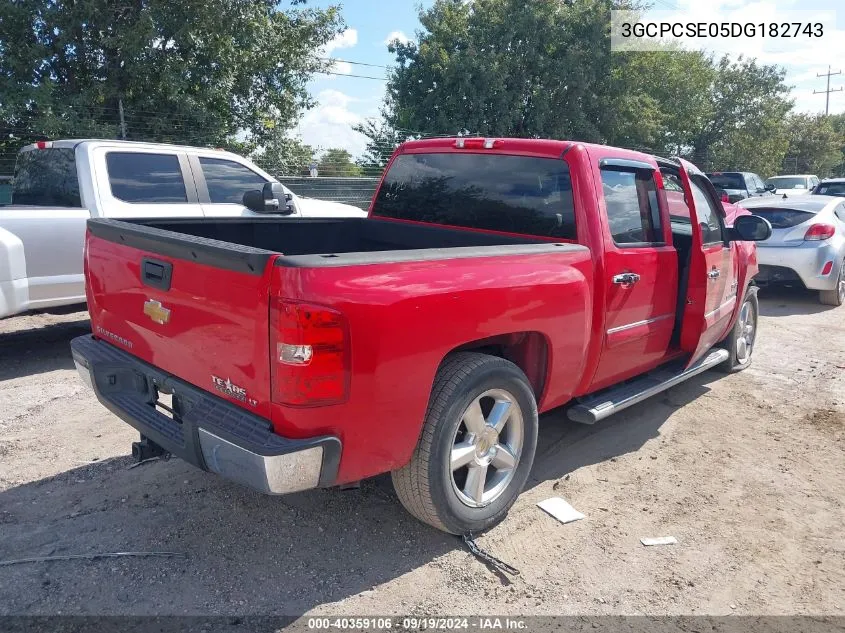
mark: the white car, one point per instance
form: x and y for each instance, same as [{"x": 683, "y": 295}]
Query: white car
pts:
[
  {"x": 807, "y": 246},
  {"x": 792, "y": 185},
  {"x": 59, "y": 185}
]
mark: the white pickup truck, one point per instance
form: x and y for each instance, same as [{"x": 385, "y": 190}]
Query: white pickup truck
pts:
[{"x": 58, "y": 185}]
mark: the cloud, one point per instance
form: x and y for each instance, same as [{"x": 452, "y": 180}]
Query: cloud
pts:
[
  {"x": 341, "y": 68},
  {"x": 347, "y": 39},
  {"x": 397, "y": 35},
  {"x": 801, "y": 57},
  {"x": 330, "y": 123}
]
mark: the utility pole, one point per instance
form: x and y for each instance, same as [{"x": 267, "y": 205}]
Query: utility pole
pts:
[
  {"x": 827, "y": 92},
  {"x": 123, "y": 123}
]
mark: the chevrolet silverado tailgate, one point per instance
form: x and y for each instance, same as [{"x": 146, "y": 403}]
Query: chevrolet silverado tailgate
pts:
[{"x": 193, "y": 307}]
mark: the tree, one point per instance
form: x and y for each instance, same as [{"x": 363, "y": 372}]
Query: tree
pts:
[
  {"x": 338, "y": 162},
  {"x": 282, "y": 155},
  {"x": 814, "y": 144},
  {"x": 544, "y": 69},
  {"x": 837, "y": 121},
  {"x": 743, "y": 124},
  {"x": 194, "y": 71},
  {"x": 659, "y": 98},
  {"x": 506, "y": 68},
  {"x": 383, "y": 139}
]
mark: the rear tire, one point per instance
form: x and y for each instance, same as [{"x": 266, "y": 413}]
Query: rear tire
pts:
[
  {"x": 465, "y": 474},
  {"x": 835, "y": 297},
  {"x": 740, "y": 342}
]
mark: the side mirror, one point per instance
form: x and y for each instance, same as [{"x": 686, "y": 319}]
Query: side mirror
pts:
[
  {"x": 769, "y": 188},
  {"x": 271, "y": 199},
  {"x": 751, "y": 228}
]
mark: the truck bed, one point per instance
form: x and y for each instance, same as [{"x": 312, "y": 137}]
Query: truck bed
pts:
[{"x": 311, "y": 242}]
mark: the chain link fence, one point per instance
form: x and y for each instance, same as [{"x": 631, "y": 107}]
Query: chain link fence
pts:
[
  {"x": 357, "y": 191},
  {"x": 328, "y": 173}
]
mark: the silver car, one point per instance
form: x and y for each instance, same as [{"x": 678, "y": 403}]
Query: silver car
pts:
[{"x": 807, "y": 246}]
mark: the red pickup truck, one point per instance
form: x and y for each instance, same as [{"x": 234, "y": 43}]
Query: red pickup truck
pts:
[{"x": 493, "y": 280}]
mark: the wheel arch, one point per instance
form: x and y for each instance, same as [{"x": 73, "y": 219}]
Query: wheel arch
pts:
[{"x": 527, "y": 350}]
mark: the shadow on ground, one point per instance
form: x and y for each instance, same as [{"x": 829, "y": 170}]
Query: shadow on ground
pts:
[
  {"x": 247, "y": 553},
  {"x": 34, "y": 351},
  {"x": 778, "y": 301}
]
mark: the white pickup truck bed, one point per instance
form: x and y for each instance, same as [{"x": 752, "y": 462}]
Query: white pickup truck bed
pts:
[{"x": 59, "y": 185}]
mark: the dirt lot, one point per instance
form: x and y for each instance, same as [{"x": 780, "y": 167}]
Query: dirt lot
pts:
[{"x": 746, "y": 471}]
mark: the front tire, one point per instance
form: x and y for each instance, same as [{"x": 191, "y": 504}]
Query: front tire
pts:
[
  {"x": 476, "y": 448},
  {"x": 740, "y": 342},
  {"x": 835, "y": 297}
]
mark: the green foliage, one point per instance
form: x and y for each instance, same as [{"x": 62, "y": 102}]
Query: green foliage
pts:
[
  {"x": 338, "y": 162},
  {"x": 505, "y": 67},
  {"x": 193, "y": 71},
  {"x": 544, "y": 69},
  {"x": 743, "y": 125},
  {"x": 281, "y": 155},
  {"x": 383, "y": 139},
  {"x": 815, "y": 146},
  {"x": 660, "y": 99},
  {"x": 837, "y": 121}
]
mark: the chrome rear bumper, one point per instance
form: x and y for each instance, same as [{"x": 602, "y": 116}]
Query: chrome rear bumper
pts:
[{"x": 204, "y": 430}]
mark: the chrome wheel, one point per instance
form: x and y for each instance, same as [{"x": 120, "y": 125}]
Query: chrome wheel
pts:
[
  {"x": 747, "y": 330},
  {"x": 486, "y": 448}
]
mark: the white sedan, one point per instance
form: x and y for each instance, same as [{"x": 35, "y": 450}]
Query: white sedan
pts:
[
  {"x": 807, "y": 246},
  {"x": 792, "y": 185}
]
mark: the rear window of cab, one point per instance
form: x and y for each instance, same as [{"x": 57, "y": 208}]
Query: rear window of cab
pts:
[{"x": 497, "y": 192}]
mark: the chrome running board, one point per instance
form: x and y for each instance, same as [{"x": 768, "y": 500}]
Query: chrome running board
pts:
[{"x": 591, "y": 409}]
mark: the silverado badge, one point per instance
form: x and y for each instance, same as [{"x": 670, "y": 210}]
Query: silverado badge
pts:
[{"x": 156, "y": 311}]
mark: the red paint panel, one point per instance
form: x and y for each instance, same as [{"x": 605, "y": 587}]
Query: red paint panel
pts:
[
  {"x": 404, "y": 318},
  {"x": 218, "y": 322}
]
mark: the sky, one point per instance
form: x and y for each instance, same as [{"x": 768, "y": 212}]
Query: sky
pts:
[{"x": 344, "y": 99}]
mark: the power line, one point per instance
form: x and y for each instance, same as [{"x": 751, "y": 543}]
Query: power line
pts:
[
  {"x": 326, "y": 72},
  {"x": 827, "y": 92},
  {"x": 346, "y": 61}
]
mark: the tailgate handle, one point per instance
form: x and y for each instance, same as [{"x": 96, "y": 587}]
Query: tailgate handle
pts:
[{"x": 156, "y": 274}]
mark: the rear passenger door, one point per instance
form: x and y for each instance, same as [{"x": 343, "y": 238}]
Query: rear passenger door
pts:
[
  {"x": 138, "y": 183},
  {"x": 713, "y": 278},
  {"x": 222, "y": 182},
  {"x": 641, "y": 272}
]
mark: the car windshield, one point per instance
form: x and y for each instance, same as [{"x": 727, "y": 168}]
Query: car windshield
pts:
[
  {"x": 788, "y": 182},
  {"x": 727, "y": 181},
  {"x": 831, "y": 189}
]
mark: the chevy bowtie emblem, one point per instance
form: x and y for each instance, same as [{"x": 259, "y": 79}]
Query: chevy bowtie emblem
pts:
[{"x": 156, "y": 311}]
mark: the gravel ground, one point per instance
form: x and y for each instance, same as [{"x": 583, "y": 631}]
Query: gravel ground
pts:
[{"x": 746, "y": 471}]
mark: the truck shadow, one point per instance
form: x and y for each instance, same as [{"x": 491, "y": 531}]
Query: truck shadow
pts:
[
  {"x": 246, "y": 553},
  {"x": 778, "y": 301},
  {"x": 26, "y": 352},
  {"x": 564, "y": 446}
]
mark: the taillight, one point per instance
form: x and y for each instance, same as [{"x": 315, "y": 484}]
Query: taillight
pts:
[
  {"x": 44, "y": 144},
  {"x": 820, "y": 232},
  {"x": 310, "y": 354}
]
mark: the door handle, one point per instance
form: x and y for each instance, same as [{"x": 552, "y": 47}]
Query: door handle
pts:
[
  {"x": 714, "y": 274},
  {"x": 626, "y": 279}
]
